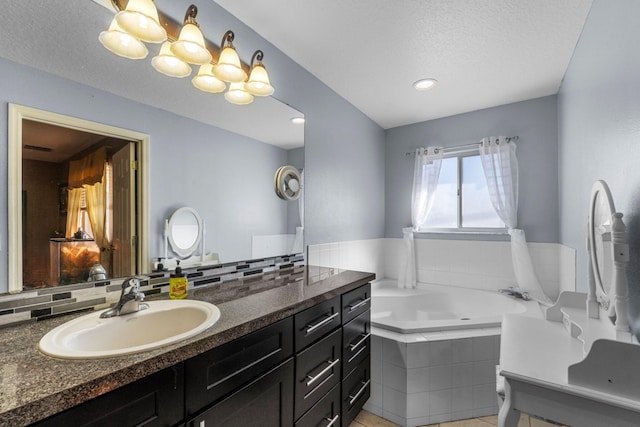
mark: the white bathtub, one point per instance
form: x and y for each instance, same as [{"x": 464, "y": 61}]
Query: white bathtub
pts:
[{"x": 429, "y": 308}]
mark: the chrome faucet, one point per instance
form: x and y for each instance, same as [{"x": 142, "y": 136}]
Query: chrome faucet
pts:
[
  {"x": 516, "y": 293},
  {"x": 131, "y": 301}
]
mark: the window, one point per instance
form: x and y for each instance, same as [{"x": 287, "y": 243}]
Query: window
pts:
[{"x": 461, "y": 201}]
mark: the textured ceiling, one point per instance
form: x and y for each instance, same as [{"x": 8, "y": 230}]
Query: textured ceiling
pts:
[{"x": 482, "y": 52}]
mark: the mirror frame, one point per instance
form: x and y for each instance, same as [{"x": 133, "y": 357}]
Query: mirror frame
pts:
[
  {"x": 600, "y": 191},
  {"x": 185, "y": 252},
  {"x": 17, "y": 113}
]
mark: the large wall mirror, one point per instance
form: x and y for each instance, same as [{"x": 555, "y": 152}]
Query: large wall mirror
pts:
[{"x": 53, "y": 241}]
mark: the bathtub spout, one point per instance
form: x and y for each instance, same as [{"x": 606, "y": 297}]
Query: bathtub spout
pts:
[{"x": 516, "y": 293}]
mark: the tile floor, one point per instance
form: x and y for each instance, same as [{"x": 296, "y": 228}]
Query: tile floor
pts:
[{"x": 367, "y": 419}]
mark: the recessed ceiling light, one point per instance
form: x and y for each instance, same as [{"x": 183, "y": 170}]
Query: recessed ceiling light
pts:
[
  {"x": 424, "y": 84},
  {"x": 297, "y": 120}
]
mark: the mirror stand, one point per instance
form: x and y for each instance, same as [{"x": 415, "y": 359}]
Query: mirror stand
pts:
[{"x": 184, "y": 231}]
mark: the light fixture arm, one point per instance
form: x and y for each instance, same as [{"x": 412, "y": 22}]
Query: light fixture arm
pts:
[
  {"x": 190, "y": 15},
  {"x": 227, "y": 38},
  {"x": 257, "y": 55}
]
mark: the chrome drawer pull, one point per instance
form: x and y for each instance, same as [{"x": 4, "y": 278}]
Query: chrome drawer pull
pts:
[
  {"x": 355, "y": 397},
  {"x": 356, "y": 355},
  {"x": 358, "y": 305},
  {"x": 332, "y": 421},
  {"x": 322, "y": 323},
  {"x": 363, "y": 339},
  {"x": 324, "y": 371}
]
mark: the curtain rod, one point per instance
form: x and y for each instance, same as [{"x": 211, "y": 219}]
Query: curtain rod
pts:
[{"x": 462, "y": 147}]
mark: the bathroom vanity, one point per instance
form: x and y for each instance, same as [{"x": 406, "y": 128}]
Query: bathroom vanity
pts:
[{"x": 290, "y": 348}]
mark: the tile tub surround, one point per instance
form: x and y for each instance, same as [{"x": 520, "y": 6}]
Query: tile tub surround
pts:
[
  {"x": 468, "y": 263},
  {"x": 433, "y": 377},
  {"x": 34, "y": 386},
  {"x": 44, "y": 303}
]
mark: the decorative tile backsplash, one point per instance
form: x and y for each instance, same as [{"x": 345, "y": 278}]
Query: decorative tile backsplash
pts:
[{"x": 49, "y": 302}]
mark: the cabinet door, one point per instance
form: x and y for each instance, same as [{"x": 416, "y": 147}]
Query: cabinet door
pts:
[
  {"x": 356, "y": 389},
  {"x": 265, "y": 402},
  {"x": 356, "y": 339},
  {"x": 325, "y": 413},
  {"x": 318, "y": 369},
  {"x": 156, "y": 400},
  {"x": 212, "y": 375}
]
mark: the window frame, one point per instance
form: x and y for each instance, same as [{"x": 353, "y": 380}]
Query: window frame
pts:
[{"x": 459, "y": 154}]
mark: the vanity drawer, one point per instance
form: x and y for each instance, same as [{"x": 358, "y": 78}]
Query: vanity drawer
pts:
[
  {"x": 264, "y": 402},
  {"x": 356, "y": 302},
  {"x": 325, "y": 413},
  {"x": 217, "y": 372},
  {"x": 356, "y": 342},
  {"x": 315, "y": 322},
  {"x": 356, "y": 389},
  {"x": 317, "y": 371}
]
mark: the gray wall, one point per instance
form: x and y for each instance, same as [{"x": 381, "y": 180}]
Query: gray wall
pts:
[
  {"x": 344, "y": 149},
  {"x": 599, "y": 132},
  {"x": 534, "y": 121},
  {"x": 344, "y": 164}
]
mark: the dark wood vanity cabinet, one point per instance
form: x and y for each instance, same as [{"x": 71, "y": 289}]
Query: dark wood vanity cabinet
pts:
[
  {"x": 356, "y": 350},
  {"x": 154, "y": 401},
  {"x": 311, "y": 369}
]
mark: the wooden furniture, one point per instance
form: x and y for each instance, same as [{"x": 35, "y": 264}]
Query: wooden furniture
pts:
[{"x": 577, "y": 365}]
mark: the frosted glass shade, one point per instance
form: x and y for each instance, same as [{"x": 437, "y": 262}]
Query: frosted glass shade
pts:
[
  {"x": 167, "y": 63},
  {"x": 122, "y": 43},
  {"x": 190, "y": 45},
  {"x": 228, "y": 68},
  {"x": 206, "y": 81},
  {"x": 258, "y": 83},
  {"x": 237, "y": 95},
  {"x": 140, "y": 19}
]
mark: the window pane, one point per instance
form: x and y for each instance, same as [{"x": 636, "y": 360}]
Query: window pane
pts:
[
  {"x": 445, "y": 205},
  {"x": 477, "y": 210}
]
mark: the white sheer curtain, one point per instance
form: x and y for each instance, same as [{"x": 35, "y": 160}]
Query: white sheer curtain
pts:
[
  {"x": 498, "y": 156},
  {"x": 425, "y": 181}
]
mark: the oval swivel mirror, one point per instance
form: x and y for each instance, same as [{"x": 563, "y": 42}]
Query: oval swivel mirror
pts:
[
  {"x": 608, "y": 256},
  {"x": 184, "y": 231}
]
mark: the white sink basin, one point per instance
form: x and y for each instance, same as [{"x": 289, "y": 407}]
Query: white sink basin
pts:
[{"x": 163, "y": 323}]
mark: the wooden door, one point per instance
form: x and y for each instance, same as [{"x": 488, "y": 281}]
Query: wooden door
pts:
[{"x": 124, "y": 211}]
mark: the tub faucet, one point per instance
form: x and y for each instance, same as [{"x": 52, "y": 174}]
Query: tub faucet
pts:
[
  {"x": 131, "y": 301},
  {"x": 516, "y": 293}
]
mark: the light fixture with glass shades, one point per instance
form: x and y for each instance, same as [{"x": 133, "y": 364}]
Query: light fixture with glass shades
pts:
[
  {"x": 122, "y": 43},
  {"x": 139, "y": 21},
  {"x": 206, "y": 81},
  {"x": 238, "y": 95},
  {"x": 228, "y": 68},
  {"x": 190, "y": 44},
  {"x": 169, "y": 64},
  {"x": 258, "y": 83}
]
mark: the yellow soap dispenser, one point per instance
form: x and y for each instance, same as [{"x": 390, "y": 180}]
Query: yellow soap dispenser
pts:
[{"x": 178, "y": 284}]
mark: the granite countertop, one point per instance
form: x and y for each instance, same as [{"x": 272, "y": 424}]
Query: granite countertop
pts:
[{"x": 34, "y": 386}]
